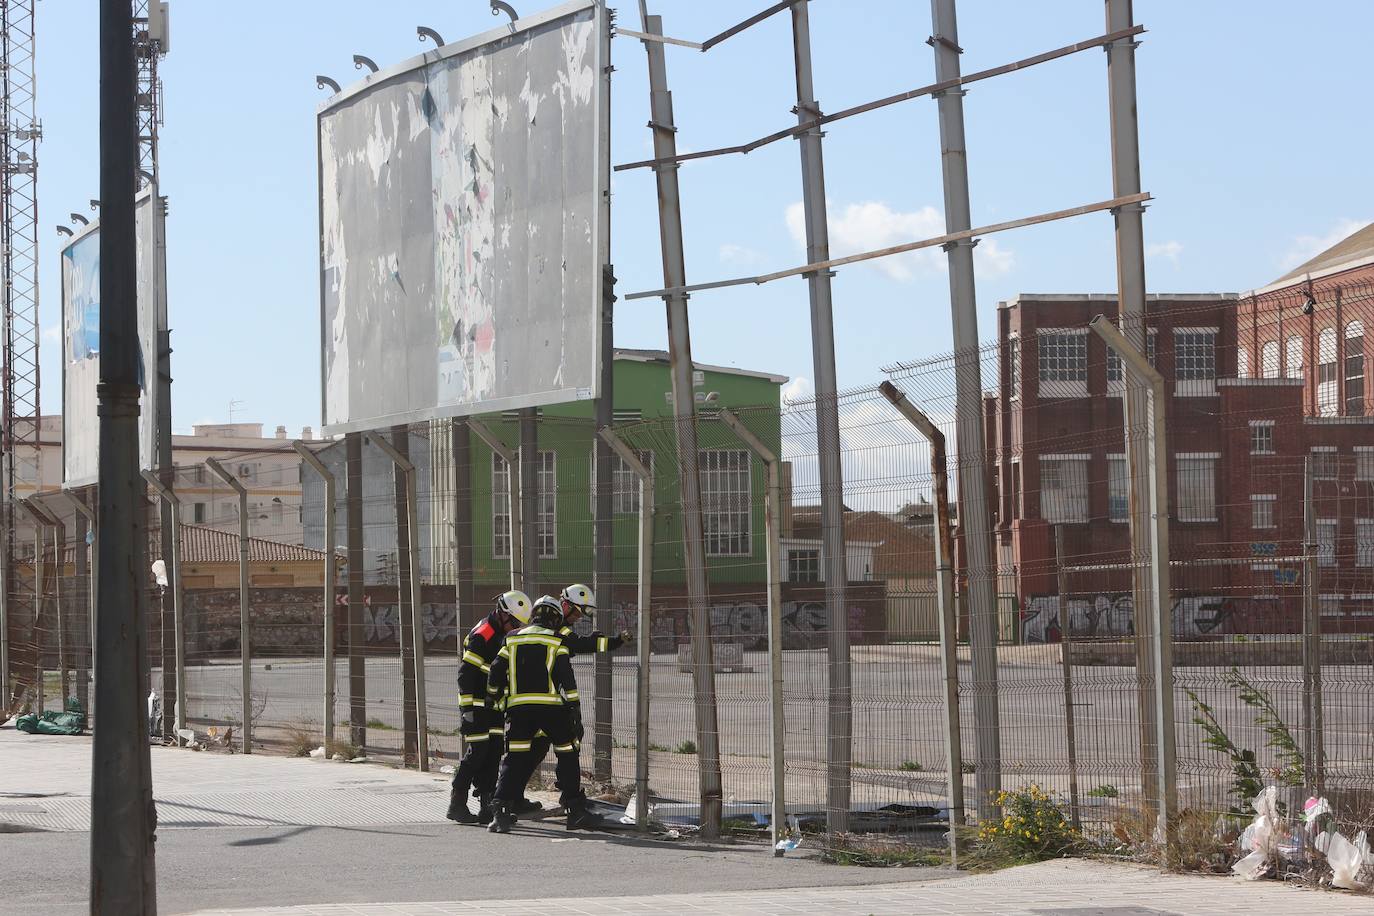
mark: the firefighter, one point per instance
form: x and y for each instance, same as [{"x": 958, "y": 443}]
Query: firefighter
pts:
[
  {"x": 533, "y": 675},
  {"x": 577, "y": 601},
  {"x": 482, "y": 725}
]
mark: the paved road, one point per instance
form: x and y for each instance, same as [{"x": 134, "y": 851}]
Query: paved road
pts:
[
  {"x": 261, "y": 830},
  {"x": 898, "y": 718}
]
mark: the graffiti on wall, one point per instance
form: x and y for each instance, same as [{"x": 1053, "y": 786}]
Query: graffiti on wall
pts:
[
  {"x": 1112, "y": 615},
  {"x": 381, "y": 622}
]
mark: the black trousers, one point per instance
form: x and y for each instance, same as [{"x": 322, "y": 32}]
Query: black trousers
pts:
[
  {"x": 525, "y": 727},
  {"x": 482, "y": 746}
]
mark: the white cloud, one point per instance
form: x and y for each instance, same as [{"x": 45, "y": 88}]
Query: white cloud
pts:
[
  {"x": 52, "y": 333},
  {"x": 798, "y": 389},
  {"x": 739, "y": 254},
  {"x": 871, "y": 225},
  {"x": 1305, "y": 247},
  {"x": 1169, "y": 250}
]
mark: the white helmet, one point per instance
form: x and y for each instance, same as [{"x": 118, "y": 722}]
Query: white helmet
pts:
[
  {"x": 517, "y": 604},
  {"x": 581, "y": 596}
]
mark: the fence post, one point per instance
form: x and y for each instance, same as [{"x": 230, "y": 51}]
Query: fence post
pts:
[
  {"x": 773, "y": 557},
  {"x": 407, "y": 469},
  {"x": 167, "y": 494},
  {"x": 245, "y": 620},
  {"x": 1162, "y": 607},
  {"x": 87, "y": 567},
  {"x": 1314, "y": 754},
  {"x": 40, "y": 573},
  {"x": 645, "y": 584},
  {"x": 512, "y": 459},
  {"x": 1066, "y": 662},
  {"x": 331, "y": 573},
  {"x": 357, "y": 594},
  {"x": 949, "y": 615}
]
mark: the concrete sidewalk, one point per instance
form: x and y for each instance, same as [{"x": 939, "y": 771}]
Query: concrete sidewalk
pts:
[{"x": 1063, "y": 888}]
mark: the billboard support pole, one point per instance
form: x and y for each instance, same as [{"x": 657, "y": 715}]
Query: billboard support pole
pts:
[
  {"x": 170, "y": 527},
  {"x": 357, "y": 595},
  {"x": 122, "y": 863},
  {"x": 405, "y": 468},
  {"x": 172, "y": 509},
  {"x": 517, "y": 536},
  {"x": 684, "y": 413},
  {"x": 245, "y": 621},
  {"x": 644, "y": 629},
  {"x": 462, "y": 523},
  {"x": 605, "y": 416},
  {"x": 772, "y": 515},
  {"x": 331, "y": 576},
  {"x": 972, "y": 446},
  {"x": 944, "y": 594},
  {"x": 1314, "y": 751},
  {"x": 840, "y": 719}
]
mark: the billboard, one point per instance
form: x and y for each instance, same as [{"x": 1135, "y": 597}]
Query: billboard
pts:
[
  {"x": 81, "y": 340},
  {"x": 461, "y": 227}
]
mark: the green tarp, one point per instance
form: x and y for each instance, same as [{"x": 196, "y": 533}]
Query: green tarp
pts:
[{"x": 72, "y": 721}]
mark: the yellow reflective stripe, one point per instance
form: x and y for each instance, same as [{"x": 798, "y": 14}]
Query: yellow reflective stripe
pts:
[
  {"x": 535, "y": 699},
  {"x": 472, "y": 658},
  {"x": 571, "y": 696},
  {"x": 562, "y": 748},
  {"x": 468, "y": 699},
  {"x": 473, "y": 739},
  {"x": 563, "y": 650},
  {"x": 497, "y": 732},
  {"x": 517, "y": 746},
  {"x": 518, "y": 641},
  {"x": 602, "y": 644}
]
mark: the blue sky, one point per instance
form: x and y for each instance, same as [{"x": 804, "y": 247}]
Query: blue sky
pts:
[{"x": 1254, "y": 130}]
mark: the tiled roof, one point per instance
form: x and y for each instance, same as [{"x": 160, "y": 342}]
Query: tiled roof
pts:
[
  {"x": 201, "y": 544},
  {"x": 900, "y": 551}
]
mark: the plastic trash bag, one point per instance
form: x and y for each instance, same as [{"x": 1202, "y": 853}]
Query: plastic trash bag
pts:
[
  {"x": 1261, "y": 839},
  {"x": 1346, "y": 860},
  {"x": 52, "y": 722}
]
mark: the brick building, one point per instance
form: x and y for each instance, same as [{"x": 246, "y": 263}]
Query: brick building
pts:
[{"x": 1257, "y": 384}]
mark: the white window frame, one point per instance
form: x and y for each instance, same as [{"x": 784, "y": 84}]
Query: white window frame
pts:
[
  {"x": 815, "y": 551},
  {"x": 1186, "y": 513},
  {"x": 1066, "y": 380},
  {"x": 1352, "y": 371},
  {"x": 500, "y": 507},
  {"x": 1319, "y": 472},
  {"x": 546, "y": 512},
  {"x": 624, "y": 482},
  {"x": 1327, "y": 374},
  {"x": 1242, "y": 362},
  {"x": 1294, "y": 349},
  {"x": 1255, "y": 427},
  {"x": 1364, "y": 462},
  {"x": 1326, "y": 550},
  {"x": 1364, "y": 542},
  {"x": 719, "y": 544},
  {"x": 1049, "y": 509},
  {"x": 1262, "y": 511},
  {"x": 1269, "y": 359},
  {"x": 1330, "y": 606},
  {"x": 1199, "y": 381},
  {"x": 1124, "y": 478}
]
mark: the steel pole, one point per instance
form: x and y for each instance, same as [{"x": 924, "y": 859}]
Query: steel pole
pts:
[
  {"x": 462, "y": 525},
  {"x": 684, "y": 414},
  {"x": 1162, "y": 656},
  {"x": 512, "y": 460},
  {"x": 245, "y": 620},
  {"x": 398, "y": 452},
  {"x": 949, "y": 619},
  {"x": 59, "y": 544},
  {"x": 331, "y": 575},
  {"x": 528, "y": 468},
  {"x": 84, "y": 634},
  {"x": 123, "y": 872},
  {"x": 357, "y": 595},
  {"x": 970, "y": 438},
  {"x": 40, "y": 575},
  {"x": 840, "y": 717},
  {"x": 773, "y": 557},
  {"x": 644, "y": 645},
  {"x": 1130, "y": 280},
  {"x": 604, "y": 566}
]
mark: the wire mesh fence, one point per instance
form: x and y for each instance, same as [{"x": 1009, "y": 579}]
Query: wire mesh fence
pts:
[{"x": 1271, "y": 607}]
